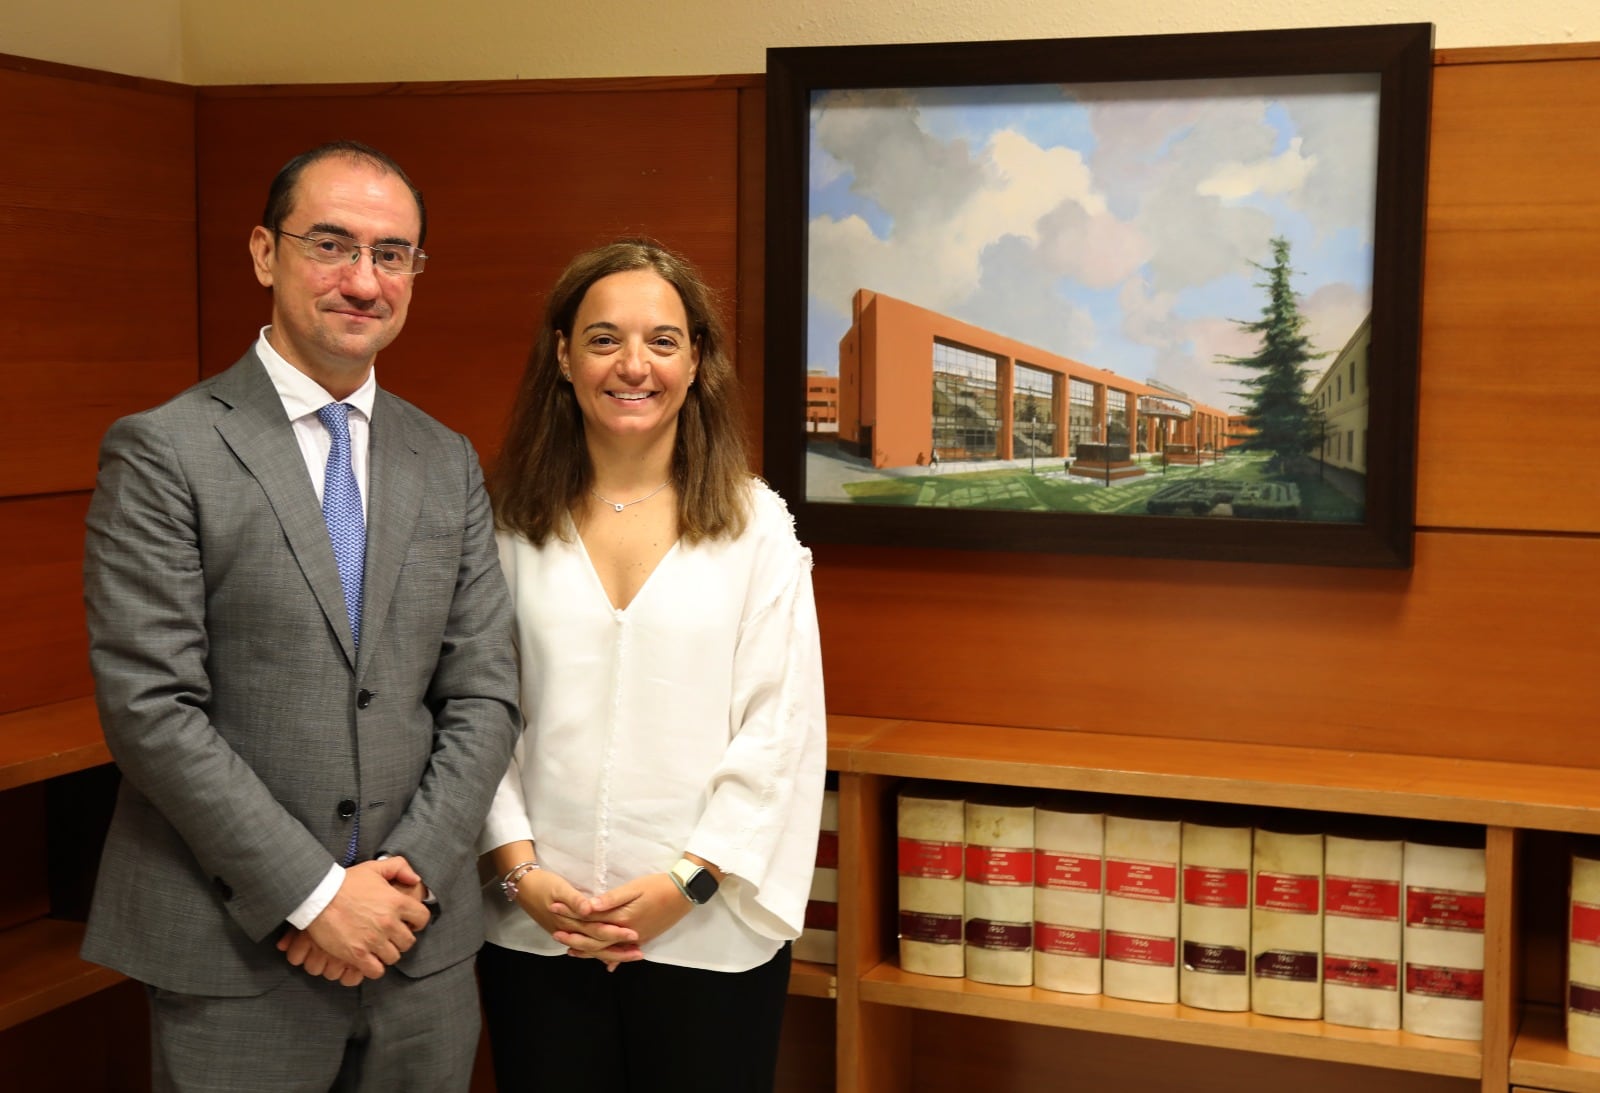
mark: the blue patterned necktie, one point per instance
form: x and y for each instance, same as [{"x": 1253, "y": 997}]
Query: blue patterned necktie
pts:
[
  {"x": 341, "y": 508},
  {"x": 347, "y": 530}
]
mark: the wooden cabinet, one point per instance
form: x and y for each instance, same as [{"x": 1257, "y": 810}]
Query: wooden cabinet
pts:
[
  {"x": 39, "y": 951},
  {"x": 889, "y": 1022}
]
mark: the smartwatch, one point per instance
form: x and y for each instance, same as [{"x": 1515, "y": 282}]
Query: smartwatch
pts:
[{"x": 696, "y": 882}]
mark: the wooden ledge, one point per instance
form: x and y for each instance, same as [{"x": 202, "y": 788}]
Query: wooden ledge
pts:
[
  {"x": 43, "y": 971},
  {"x": 1279, "y": 776},
  {"x": 48, "y": 741}
]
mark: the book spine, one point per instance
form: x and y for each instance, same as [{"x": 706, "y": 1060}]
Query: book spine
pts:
[
  {"x": 1214, "y": 920},
  {"x": 998, "y": 913},
  {"x": 1442, "y": 982},
  {"x": 931, "y": 841},
  {"x": 819, "y": 940},
  {"x": 1068, "y": 903},
  {"x": 1361, "y": 932},
  {"x": 1583, "y": 958},
  {"x": 1141, "y": 909},
  {"x": 1286, "y": 925}
]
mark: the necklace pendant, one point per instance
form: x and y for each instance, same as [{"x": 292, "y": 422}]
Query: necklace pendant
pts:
[{"x": 618, "y": 507}]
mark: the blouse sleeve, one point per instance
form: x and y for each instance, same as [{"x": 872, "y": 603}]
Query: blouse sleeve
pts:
[
  {"x": 761, "y": 822},
  {"x": 508, "y": 820}
]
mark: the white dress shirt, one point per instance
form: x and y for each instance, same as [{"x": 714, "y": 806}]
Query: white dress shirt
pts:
[
  {"x": 302, "y": 397},
  {"x": 691, "y": 720}
]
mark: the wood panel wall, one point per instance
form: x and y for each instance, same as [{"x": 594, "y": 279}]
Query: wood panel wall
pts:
[
  {"x": 97, "y": 319},
  {"x": 1487, "y": 648},
  {"x": 518, "y": 178}
]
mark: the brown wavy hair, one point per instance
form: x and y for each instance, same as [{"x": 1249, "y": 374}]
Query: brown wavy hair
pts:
[{"x": 543, "y": 470}]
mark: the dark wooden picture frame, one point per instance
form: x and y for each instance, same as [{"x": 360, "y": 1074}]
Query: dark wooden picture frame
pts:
[{"x": 1399, "y": 58}]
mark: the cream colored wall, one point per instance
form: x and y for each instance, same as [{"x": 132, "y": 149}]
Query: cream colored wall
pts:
[
  {"x": 134, "y": 37},
  {"x": 312, "y": 41}
]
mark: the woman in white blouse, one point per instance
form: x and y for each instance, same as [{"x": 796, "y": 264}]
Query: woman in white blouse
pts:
[{"x": 653, "y": 840}]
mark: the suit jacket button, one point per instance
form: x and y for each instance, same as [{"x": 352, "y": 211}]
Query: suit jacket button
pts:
[
  {"x": 347, "y": 809},
  {"x": 363, "y": 699}
]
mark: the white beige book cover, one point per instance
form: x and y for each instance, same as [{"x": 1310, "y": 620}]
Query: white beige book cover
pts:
[
  {"x": 1286, "y": 924},
  {"x": 998, "y": 916},
  {"x": 931, "y": 825},
  {"x": 1361, "y": 932},
  {"x": 1068, "y": 895},
  {"x": 1141, "y": 908},
  {"x": 1443, "y": 941},
  {"x": 1214, "y": 920}
]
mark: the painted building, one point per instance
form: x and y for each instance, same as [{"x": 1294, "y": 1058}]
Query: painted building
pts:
[
  {"x": 915, "y": 385},
  {"x": 1340, "y": 399},
  {"x": 822, "y": 403}
]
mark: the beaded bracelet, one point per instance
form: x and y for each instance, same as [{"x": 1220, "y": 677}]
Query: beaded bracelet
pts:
[{"x": 509, "y": 884}]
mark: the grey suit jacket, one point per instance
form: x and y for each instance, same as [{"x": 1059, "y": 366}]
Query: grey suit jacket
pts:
[{"x": 236, "y": 707}]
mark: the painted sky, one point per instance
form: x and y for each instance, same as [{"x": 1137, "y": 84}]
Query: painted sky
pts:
[{"x": 1112, "y": 223}]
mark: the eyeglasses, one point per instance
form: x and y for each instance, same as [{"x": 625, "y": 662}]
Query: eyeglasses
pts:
[{"x": 395, "y": 259}]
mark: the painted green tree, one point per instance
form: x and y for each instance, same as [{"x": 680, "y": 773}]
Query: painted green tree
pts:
[{"x": 1277, "y": 415}]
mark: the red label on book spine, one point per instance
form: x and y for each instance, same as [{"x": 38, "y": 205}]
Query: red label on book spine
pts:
[
  {"x": 1204, "y": 886},
  {"x": 1586, "y": 923},
  {"x": 1067, "y": 872},
  {"x": 1010, "y": 937},
  {"x": 934, "y": 929},
  {"x": 1353, "y": 971},
  {"x": 1292, "y": 893},
  {"x": 828, "y": 849},
  {"x": 1153, "y": 881},
  {"x": 1141, "y": 949},
  {"x": 1286, "y": 964},
  {"x": 1003, "y": 866},
  {"x": 1362, "y": 897},
  {"x": 822, "y": 915},
  {"x": 1066, "y": 940},
  {"x": 1214, "y": 959},
  {"x": 930, "y": 858},
  {"x": 1583, "y": 999},
  {"x": 1430, "y": 979},
  {"x": 1444, "y": 909}
]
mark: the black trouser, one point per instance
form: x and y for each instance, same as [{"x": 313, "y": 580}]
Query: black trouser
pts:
[{"x": 565, "y": 1023}]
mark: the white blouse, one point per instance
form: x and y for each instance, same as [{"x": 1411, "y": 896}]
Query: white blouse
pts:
[{"x": 691, "y": 720}]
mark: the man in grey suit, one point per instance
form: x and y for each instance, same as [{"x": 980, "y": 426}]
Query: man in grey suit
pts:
[{"x": 302, "y": 653}]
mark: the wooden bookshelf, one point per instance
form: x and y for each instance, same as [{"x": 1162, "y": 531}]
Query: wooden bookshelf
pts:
[
  {"x": 43, "y": 970},
  {"x": 877, "y": 1000},
  {"x": 808, "y": 979},
  {"x": 49, "y": 741},
  {"x": 1540, "y": 1059}
]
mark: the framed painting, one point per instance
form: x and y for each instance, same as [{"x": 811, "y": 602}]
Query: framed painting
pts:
[{"x": 1153, "y": 295}]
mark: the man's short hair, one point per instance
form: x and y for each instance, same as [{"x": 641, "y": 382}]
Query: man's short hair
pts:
[{"x": 280, "y": 195}]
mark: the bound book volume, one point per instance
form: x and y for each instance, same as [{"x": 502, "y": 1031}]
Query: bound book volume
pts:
[
  {"x": 1583, "y": 955},
  {"x": 1361, "y": 932},
  {"x": 1141, "y": 907},
  {"x": 998, "y": 924},
  {"x": 931, "y": 824},
  {"x": 1068, "y": 908},
  {"x": 1214, "y": 921},
  {"x": 1286, "y": 924},
  {"x": 1442, "y": 982},
  {"x": 819, "y": 941}
]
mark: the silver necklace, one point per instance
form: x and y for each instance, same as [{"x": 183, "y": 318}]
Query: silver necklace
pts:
[{"x": 620, "y": 505}]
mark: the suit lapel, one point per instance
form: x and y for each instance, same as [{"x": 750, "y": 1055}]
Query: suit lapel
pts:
[
  {"x": 394, "y": 479},
  {"x": 259, "y": 433}
]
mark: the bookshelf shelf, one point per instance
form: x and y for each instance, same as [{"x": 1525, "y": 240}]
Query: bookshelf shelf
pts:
[
  {"x": 43, "y": 970},
  {"x": 886, "y": 984},
  {"x": 882, "y": 1010},
  {"x": 811, "y": 980},
  {"x": 49, "y": 741},
  {"x": 1540, "y": 1058}
]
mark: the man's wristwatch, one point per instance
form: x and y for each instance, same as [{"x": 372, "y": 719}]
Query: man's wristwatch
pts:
[{"x": 697, "y": 883}]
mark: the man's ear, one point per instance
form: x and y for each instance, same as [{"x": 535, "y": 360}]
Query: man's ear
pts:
[{"x": 263, "y": 253}]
